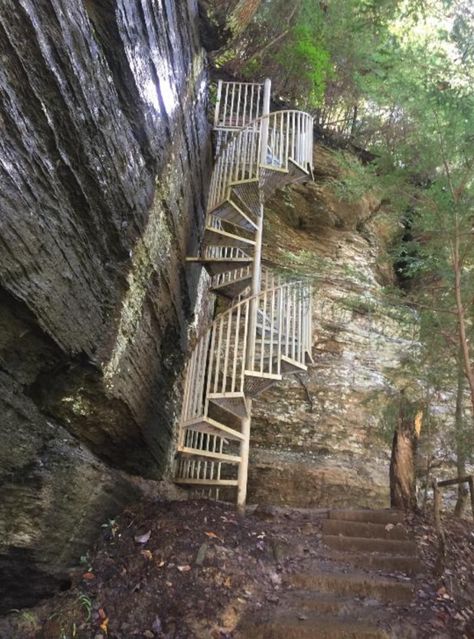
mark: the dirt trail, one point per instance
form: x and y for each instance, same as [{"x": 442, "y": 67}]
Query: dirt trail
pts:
[{"x": 195, "y": 570}]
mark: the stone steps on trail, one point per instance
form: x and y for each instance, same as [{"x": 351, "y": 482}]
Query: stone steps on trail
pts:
[
  {"x": 329, "y": 603},
  {"x": 355, "y": 584},
  {"x": 362, "y": 529},
  {"x": 369, "y": 516},
  {"x": 294, "y": 626},
  {"x": 365, "y": 544},
  {"x": 406, "y": 564}
]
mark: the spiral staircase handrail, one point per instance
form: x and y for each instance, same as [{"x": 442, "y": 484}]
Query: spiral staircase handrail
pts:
[
  {"x": 225, "y": 343},
  {"x": 288, "y": 136}
]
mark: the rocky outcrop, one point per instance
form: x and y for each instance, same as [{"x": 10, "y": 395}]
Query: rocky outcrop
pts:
[
  {"x": 223, "y": 20},
  {"x": 318, "y": 439},
  {"x": 104, "y": 166}
]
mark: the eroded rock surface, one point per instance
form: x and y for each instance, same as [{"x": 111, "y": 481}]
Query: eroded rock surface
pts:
[
  {"x": 104, "y": 166},
  {"x": 223, "y": 20},
  {"x": 317, "y": 437}
]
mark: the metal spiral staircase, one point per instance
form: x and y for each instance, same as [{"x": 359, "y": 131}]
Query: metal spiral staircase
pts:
[{"x": 265, "y": 333}]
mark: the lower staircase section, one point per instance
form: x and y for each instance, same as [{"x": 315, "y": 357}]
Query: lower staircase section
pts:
[
  {"x": 352, "y": 595},
  {"x": 249, "y": 347}
]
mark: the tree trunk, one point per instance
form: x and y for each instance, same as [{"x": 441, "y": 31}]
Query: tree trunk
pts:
[
  {"x": 460, "y": 450},
  {"x": 463, "y": 339},
  {"x": 402, "y": 463}
]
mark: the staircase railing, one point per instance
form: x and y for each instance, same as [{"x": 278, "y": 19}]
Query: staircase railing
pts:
[
  {"x": 286, "y": 136},
  {"x": 220, "y": 360},
  {"x": 237, "y": 104},
  {"x": 266, "y": 332}
]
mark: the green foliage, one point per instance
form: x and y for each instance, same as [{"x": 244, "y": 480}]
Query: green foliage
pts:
[{"x": 304, "y": 59}]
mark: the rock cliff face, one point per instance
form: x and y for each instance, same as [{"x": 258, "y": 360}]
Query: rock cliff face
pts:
[
  {"x": 104, "y": 166},
  {"x": 317, "y": 440},
  {"x": 223, "y": 20}
]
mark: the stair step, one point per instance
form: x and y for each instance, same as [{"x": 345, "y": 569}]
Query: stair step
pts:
[
  {"x": 369, "y": 516},
  {"x": 207, "y": 454},
  {"x": 213, "y": 427},
  {"x": 256, "y": 383},
  {"x": 292, "y": 626},
  {"x": 219, "y": 237},
  {"x": 379, "y": 561},
  {"x": 355, "y": 584},
  {"x": 364, "y": 544},
  {"x": 242, "y": 206},
  {"x": 359, "y": 529},
  {"x": 248, "y": 192},
  {"x": 233, "y": 288},
  {"x": 290, "y": 366},
  {"x": 297, "y": 172},
  {"x": 220, "y": 265},
  {"x": 328, "y": 603},
  {"x": 233, "y": 403},
  {"x": 273, "y": 178},
  {"x": 234, "y": 211}
]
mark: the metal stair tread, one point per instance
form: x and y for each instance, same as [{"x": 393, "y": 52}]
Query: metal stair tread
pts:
[
  {"x": 213, "y": 427},
  {"x": 232, "y": 288},
  {"x": 222, "y": 211},
  {"x": 220, "y": 265},
  {"x": 234, "y": 403},
  {"x": 219, "y": 237}
]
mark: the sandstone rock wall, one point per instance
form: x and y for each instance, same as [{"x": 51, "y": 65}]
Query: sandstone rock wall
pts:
[
  {"x": 317, "y": 436},
  {"x": 104, "y": 167}
]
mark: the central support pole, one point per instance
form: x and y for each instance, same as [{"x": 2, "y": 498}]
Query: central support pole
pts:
[{"x": 253, "y": 306}]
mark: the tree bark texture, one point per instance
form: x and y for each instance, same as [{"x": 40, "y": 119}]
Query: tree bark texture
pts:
[{"x": 403, "y": 459}]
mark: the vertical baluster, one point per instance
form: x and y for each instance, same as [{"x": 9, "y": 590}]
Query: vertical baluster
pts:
[
  {"x": 293, "y": 350},
  {"x": 218, "y": 354},
  {"x": 300, "y": 324},
  {"x": 219, "y": 465},
  {"x": 272, "y": 311},
  {"x": 240, "y": 121},
  {"x": 226, "y": 105},
  {"x": 287, "y": 314},
  {"x": 236, "y": 349},
  {"x": 202, "y": 373},
  {"x": 199, "y": 461},
  {"x": 301, "y": 160},
  {"x": 232, "y": 116},
  {"x": 194, "y": 384},
  {"x": 264, "y": 320},
  {"x": 279, "y": 293},
  {"x": 246, "y": 92},
  {"x": 251, "y": 116},
  {"x": 245, "y": 159},
  {"x": 245, "y": 313},
  {"x": 293, "y": 136},
  {"x": 281, "y": 158},
  {"x": 226, "y": 351},
  {"x": 239, "y": 149}
]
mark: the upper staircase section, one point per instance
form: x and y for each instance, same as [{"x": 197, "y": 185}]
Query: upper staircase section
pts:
[{"x": 271, "y": 151}]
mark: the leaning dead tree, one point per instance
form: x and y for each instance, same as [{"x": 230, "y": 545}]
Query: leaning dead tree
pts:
[{"x": 403, "y": 460}]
